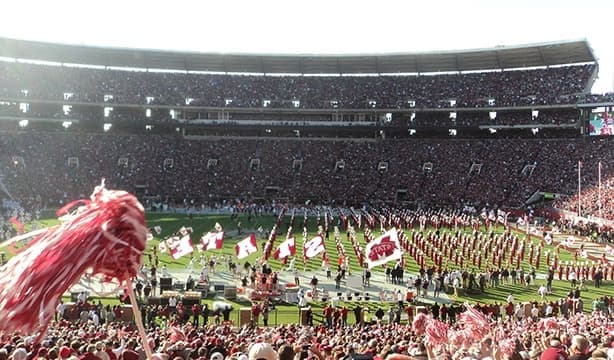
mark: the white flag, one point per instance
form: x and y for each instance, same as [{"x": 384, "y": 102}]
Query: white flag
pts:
[
  {"x": 383, "y": 249},
  {"x": 246, "y": 246},
  {"x": 285, "y": 249},
  {"x": 313, "y": 247},
  {"x": 179, "y": 247},
  {"x": 212, "y": 240}
]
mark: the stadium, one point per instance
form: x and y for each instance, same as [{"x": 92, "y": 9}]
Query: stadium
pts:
[{"x": 456, "y": 204}]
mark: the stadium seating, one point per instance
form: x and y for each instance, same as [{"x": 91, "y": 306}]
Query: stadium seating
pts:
[
  {"x": 61, "y": 166},
  {"x": 470, "y": 90}
]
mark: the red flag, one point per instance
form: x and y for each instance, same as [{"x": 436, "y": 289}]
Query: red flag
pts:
[
  {"x": 285, "y": 249},
  {"x": 17, "y": 225},
  {"x": 246, "y": 246}
]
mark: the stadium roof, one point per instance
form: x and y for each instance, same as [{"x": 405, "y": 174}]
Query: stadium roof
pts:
[{"x": 503, "y": 57}]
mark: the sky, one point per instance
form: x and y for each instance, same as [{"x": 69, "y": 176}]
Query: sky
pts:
[{"x": 316, "y": 26}]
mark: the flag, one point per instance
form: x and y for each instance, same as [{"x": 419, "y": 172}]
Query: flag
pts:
[
  {"x": 179, "y": 247},
  {"x": 383, "y": 249},
  {"x": 313, "y": 247},
  {"x": 502, "y": 216},
  {"x": 185, "y": 231},
  {"x": 285, "y": 249},
  {"x": 212, "y": 240},
  {"x": 17, "y": 225},
  {"x": 246, "y": 246}
]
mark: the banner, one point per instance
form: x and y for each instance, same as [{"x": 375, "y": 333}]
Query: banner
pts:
[
  {"x": 285, "y": 249},
  {"x": 212, "y": 240},
  {"x": 313, "y": 247},
  {"x": 384, "y": 249},
  {"x": 179, "y": 247},
  {"x": 246, "y": 246}
]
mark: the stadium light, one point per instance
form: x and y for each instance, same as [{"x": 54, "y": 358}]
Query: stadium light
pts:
[
  {"x": 492, "y": 131},
  {"x": 148, "y": 127},
  {"x": 492, "y": 115},
  {"x": 66, "y": 124},
  {"x": 106, "y": 127},
  {"x": 23, "y": 123},
  {"x": 535, "y": 131},
  {"x": 452, "y": 132},
  {"x": 413, "y": 116},
  {"x": 453, "y": 115},
  {"x": 147, "y": 112},
  {"x": 534, "y": 114}
]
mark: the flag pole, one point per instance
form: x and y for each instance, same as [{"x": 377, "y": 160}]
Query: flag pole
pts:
[
  {"x": 138, "y": 320},
  {"x": 579, "y": 188},
  {"x": 599, "y": 187}
]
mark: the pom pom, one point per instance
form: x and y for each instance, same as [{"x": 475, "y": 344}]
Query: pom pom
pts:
[
  {"x": 436, "y": 333},
  {"x": 176, "y": 334},
  {"x": 105, "y": 236},
  {"x": 507, "y": 347},
  {"x": 475, "y": 322},
  {"x": 548, "y": 324},
  {"x": 419, "y": 323}
]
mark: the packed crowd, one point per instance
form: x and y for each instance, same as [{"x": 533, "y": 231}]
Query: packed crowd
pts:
[
  {"x": 506, "y": 88},
  {"x": 58, "y": 167},
  {"x": 593, "y": 201}
]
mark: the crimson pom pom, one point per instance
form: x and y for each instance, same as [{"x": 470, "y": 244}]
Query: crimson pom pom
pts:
[
  {"x": 419, "y": 323},
  {"x": 105, "y": 236},
  {"x": 548, "y": 324},
  {"x": 176, "y": 334},
  {"x": 476, "y": 322},
  {"x": 507, "y": 347},
  {"x": 437, "y": 333}
]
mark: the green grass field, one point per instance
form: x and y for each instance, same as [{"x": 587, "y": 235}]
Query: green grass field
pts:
[{"x": 170, "y": 223}]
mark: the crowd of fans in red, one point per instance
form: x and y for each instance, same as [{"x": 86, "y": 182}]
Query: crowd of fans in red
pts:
[
  {"x": 577, "y": 336},
  {"x": 58, "y": 167}
]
